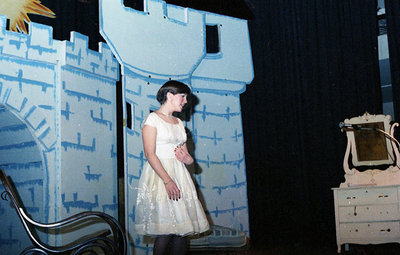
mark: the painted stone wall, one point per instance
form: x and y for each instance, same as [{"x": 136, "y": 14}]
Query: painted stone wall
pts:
[
  {"x": 57, "y": 107},
  {"x": 57, "y": 128},
  {"x": 169, "y": 42}
]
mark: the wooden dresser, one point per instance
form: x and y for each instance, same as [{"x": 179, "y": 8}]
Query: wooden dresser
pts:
[
  {"x": 367, "y": 203},
  {"x": 367, "y": 215}
]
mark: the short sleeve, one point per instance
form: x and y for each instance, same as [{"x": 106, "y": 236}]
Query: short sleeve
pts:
[
  {"x": 151, "y": 120},
  {"x": 180, "y": 122}
]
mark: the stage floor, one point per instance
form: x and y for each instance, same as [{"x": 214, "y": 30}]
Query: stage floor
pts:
[{"x": 316, "y": 249}]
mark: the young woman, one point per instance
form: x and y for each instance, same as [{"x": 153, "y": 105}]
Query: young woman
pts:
[{"x": 167, "y": 205}]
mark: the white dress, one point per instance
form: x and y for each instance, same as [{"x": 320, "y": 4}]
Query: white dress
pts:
[{"x": 155, "y": 213}]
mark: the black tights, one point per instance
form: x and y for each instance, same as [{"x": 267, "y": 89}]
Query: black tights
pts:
[{"x": 162, "y": 244}]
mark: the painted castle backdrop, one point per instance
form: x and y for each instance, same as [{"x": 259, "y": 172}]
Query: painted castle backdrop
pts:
[{"x": 58, "y": 137}]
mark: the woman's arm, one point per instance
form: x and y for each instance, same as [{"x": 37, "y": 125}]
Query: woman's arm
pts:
[{"x": 149, "y": 135}]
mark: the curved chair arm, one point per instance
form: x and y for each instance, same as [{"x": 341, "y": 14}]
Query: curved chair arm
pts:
[{"x": 114, "y": 246}]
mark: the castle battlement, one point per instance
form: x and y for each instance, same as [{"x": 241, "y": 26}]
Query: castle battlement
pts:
[
  {"x": 78, "y": 55},
  {"x": 170, "y": 39},
  {"x": 176, "y": 39},
  {"x": 39, "y": 45}
]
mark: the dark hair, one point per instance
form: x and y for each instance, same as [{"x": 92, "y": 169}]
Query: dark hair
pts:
[{"x": 174, "y": 87}]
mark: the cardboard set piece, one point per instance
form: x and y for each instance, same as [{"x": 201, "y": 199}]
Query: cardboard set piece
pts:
[{"x": 58, "y": 138}]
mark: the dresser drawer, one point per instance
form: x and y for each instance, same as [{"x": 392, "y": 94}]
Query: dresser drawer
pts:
[
  {"x": 370, "y": 232},
  {"x": 359, "y": 196},
  {"x": 362, "y": 213}
]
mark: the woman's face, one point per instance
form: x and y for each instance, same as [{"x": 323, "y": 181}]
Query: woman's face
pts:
[{"x": 178, "y": 101}]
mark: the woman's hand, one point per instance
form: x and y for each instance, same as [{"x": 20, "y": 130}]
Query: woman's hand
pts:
[
  {"x": 172, "y": 190},
  {"x": 182, "y": 154}
]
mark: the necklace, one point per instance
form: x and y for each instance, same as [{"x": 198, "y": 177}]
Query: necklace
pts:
[{"x": 165, "y": 114}]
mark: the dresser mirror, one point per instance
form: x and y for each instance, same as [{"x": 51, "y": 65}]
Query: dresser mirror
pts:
[{"x": 370, "y": 144}]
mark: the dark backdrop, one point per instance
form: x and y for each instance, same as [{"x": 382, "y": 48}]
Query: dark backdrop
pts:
[
  {"x": 315, "y": 64},
  {"x": 393, "y": 25}
]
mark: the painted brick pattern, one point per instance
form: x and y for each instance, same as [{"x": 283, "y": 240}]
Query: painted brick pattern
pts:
[{"x": 57, "y": 128}]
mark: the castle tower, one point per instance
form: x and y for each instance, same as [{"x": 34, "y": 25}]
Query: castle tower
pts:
[
  {"x": 169, "y": 42},
  {"x": 57, "y": 128}
]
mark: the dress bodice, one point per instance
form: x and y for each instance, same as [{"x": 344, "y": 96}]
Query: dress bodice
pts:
[{"x": 168, "y": 135}]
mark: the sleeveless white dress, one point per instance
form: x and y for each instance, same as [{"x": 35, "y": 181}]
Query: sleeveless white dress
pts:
[{"x": 155, "y": 213}]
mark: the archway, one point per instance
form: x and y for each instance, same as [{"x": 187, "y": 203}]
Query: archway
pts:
[{"x": 21, "y": 158}]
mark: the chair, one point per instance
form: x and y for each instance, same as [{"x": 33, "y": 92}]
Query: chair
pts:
[{"x": 99, "y": 243}]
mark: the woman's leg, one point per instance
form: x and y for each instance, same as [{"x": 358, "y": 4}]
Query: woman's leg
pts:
[
  {"x": 179, "y": 245},
  {"x": 161, "y": 244}
]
